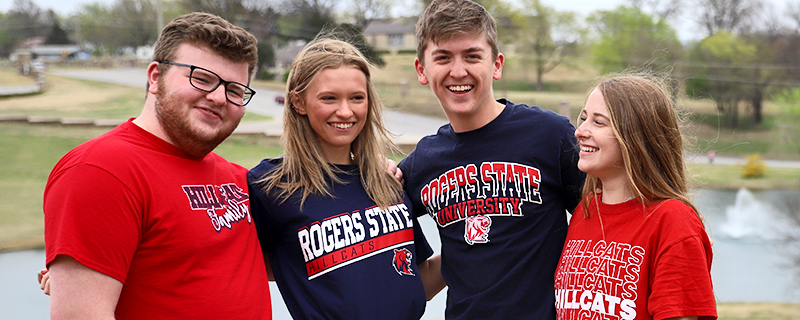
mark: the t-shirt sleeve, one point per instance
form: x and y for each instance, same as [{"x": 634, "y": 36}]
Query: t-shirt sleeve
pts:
[
  {"x": 571, "y": 178},
  {"x": 407, "y": 166},
  {"x": 421, "y": 245},
  {"x": 91, "y": 216},
  {"x": 682, "y": 277},
  {"x": 259, "y": 212}
]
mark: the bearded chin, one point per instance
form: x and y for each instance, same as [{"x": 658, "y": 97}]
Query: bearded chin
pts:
[{"x": 176, "y": 123}]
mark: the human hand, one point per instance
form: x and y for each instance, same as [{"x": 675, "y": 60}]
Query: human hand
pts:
[
  {"x": 392, "y": 169},
  {"x": 44, "y": 281}
]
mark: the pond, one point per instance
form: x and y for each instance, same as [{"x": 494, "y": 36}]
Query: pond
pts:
[{"x": 751, "y": 257}]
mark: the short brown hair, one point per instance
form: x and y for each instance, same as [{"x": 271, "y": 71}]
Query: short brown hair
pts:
[
  {"x": 446, "y": 19},
  {"x": 213, "y": 32}
]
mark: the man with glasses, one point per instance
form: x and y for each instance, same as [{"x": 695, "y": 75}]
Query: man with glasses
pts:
[{"x": 145, "y": 221}]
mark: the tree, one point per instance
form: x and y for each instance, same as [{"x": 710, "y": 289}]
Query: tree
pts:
[
  {"x": 23, "y": 21},
  {"x": 57, "y": 35},
  {"x": 793, "y": 12},
  {"x": 353, "y": 35},
  {"x": 728, "y": 15},
  {"x": 664, "y": 9},
  {"x": 135, "y": 21},
  {"x": 719, "y": 69},
  {"x": 230, "y": 10},
  {"x": 364, "y": 11},
  {"x": 544, "y": 37},
  {"x": 304, "y": 19},
  {"x": 628, "y": 37}
]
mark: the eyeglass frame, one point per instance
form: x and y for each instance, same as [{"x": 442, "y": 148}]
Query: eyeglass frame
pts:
[{"x": 221, "y": 81}]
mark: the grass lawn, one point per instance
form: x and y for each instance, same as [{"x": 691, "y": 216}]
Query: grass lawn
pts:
[
  {"x": 28, "y": 153},
  {"x": 729, "y": 177},
  {"x": 11, "y": 78}
]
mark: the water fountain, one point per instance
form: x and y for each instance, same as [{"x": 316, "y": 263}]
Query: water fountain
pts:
[{"x": 751, "y": 219}]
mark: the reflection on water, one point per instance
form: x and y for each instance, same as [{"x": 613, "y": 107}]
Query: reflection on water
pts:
[{"x": 751, "y": 261}]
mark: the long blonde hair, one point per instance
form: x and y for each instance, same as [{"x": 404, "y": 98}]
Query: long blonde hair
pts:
[
  {"x": 304, "y": 167},
  {"x": 646, "y": 125}
]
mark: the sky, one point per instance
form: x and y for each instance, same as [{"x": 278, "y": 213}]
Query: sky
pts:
[{"x": 687, "y": 30}]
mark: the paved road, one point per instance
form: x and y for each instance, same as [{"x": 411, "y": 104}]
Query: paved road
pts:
[{"x": 409, "y": 127}]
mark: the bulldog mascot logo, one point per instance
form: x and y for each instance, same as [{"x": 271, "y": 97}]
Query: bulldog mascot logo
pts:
[{"x": 477, "y": 229}]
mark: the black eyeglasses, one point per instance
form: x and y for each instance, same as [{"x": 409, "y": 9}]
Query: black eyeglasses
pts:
[{"x": 208, "y": 81}]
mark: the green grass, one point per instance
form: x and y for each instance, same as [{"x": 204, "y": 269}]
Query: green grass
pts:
[
  {"x": 730, "y": 177},
  {"x": 28, "y": 152}
]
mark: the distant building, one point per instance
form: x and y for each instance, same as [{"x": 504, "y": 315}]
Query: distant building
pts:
[
  {"x": 284, "y": 56},
  {"x": 53, "y": 53},
  {"x": 392, "y": 35}
]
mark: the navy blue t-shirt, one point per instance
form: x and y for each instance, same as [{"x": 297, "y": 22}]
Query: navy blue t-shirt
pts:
[
  {"x": 341, "y": 257},
  {"x": 499, "y": 196}
]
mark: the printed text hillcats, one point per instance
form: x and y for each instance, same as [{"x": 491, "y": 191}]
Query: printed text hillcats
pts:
[{"x": 598, "y": 279}]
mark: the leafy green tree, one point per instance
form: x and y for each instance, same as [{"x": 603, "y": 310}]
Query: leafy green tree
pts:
[
  {"x": 546, "y": 37},
  {"x": 788, "y": 101},
  {"x": 719, "y": 65},
  {"x": 630, "y": 38}
]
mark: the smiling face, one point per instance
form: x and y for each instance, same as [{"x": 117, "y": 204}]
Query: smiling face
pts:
[
  {"x": 336, "y": 105},
  {"x": 193, "y": 120},
  {"x": 460, "y": 72},
  {"x": 600, "y": 153}
]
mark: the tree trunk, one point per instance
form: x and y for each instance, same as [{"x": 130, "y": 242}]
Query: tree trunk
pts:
[{"x": 758, "y": 97}]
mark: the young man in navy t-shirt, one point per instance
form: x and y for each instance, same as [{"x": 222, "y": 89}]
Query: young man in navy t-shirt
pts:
[{"x": 498, "y": 179}]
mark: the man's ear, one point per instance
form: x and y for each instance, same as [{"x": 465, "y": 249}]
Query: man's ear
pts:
[
  {"x": 498, "y": 66},
  {"x": 298, "y": 104},
  {"x": 423, "y": 80},
  {"x": 153, "y": 76}
]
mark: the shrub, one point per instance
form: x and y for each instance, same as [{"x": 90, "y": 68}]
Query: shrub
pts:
[{"x": 754, "y": 167}]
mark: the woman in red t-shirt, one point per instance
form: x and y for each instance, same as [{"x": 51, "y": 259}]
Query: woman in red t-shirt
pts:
[{"x": 636, "y": 246}]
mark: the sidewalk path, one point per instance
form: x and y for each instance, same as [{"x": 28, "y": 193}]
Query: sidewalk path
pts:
[
  {"x": 18, "y": 90},
  {"x": 735, "y": 161}
]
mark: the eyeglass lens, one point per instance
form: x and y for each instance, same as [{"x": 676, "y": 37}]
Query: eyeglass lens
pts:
[{"x": 207, "y": 81}]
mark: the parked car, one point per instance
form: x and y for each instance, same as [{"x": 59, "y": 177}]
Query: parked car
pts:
[{"x": 280, "y": 99}]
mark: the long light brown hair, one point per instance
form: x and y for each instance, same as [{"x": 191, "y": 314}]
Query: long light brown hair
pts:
[
  {"x": 304, "y": 167},
  {"x": 646, "y": 125},
  {"x": 446, "y": 19}
]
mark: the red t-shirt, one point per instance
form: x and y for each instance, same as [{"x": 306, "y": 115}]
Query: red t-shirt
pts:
[
  {"x": 175, "y": 230},
  {"x": 632, "y": 261}
]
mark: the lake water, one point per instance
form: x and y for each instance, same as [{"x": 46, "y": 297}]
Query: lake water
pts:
[{"x": 751, "y": 259}]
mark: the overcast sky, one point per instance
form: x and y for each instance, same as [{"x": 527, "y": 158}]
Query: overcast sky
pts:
[{"x": 687, "y": 30}]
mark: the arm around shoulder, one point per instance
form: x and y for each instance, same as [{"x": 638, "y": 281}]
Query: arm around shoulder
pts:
[{"x": 78, "y": 292}]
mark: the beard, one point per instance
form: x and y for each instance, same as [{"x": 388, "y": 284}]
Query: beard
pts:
[{"x": 176, "y": 121}]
